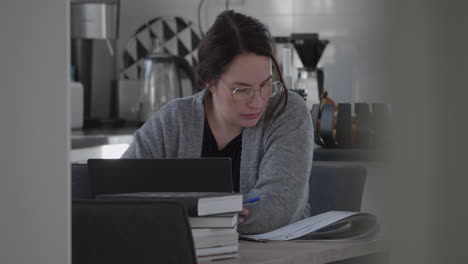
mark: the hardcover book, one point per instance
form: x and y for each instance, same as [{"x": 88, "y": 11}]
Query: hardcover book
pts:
[
  {"x": 214, "y": 221},
  {"x": 214, "y": 237},
  {"x": 197, "y": 203}
]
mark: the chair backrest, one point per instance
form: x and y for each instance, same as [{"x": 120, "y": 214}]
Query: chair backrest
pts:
[
  {"x": 80, "y": 182},
  {"x": 130, "y": 232},
  {"x": 336, "y": 188}
]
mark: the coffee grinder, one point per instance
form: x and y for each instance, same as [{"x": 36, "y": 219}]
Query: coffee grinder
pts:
[{"x": 310, "y": 79}]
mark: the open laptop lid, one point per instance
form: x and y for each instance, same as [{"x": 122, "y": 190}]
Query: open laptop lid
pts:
[{"x": 109, "y": 176}]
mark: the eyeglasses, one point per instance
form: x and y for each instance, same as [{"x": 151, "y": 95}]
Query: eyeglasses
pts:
[{"x": 245, "y": 94}]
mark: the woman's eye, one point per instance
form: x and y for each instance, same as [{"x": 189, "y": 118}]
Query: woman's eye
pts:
[{"x": 242, "y": 90}]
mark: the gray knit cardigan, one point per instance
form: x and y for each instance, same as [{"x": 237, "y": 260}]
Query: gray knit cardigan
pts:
[{"x": 276, "y": 157}]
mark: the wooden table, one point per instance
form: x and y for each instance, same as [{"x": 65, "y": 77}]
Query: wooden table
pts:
[{"x": 311, "y": 252}]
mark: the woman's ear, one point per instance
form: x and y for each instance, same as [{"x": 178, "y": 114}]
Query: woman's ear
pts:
[{"x": 210, "y": 85}]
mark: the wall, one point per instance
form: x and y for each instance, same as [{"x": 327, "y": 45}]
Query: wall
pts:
[
  {"x": 428, "y": 176},
  {"x": 352, "y": 61},
  {"x": 34, "y": 132}
]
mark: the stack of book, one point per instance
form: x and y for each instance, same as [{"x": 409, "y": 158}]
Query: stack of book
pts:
[
  {"x": 215, "y": 236},
  {"x": 214, "y": 226},
  {"x": 213, "y": 218}
]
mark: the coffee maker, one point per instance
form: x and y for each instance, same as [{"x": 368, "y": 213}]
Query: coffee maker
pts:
[
  {"x": 92, "y": 22},
  {"x": 310, "y": 78}
]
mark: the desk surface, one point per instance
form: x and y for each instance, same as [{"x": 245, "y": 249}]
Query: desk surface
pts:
[{"x": 305, "y": 252}]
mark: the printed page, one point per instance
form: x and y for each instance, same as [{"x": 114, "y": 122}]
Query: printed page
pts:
[{"x": 302, "y": 227}]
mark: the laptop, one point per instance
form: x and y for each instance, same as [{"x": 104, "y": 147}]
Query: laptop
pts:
[{"x": 111, "y": 176}]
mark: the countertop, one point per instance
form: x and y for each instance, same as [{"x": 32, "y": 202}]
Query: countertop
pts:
[
  {"x": 86, "y": 138},
  {"x": 89, "y": 138},
  {"x": 348, "y": 154}
]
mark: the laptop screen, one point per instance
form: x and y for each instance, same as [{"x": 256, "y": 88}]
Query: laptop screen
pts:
[{"x": 109, "y": 176}]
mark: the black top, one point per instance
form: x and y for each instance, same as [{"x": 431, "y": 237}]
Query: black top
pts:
[{"x": 232, "y": 150}]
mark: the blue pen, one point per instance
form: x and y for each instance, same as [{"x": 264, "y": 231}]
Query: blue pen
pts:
[{"x": 253, "y": 200}]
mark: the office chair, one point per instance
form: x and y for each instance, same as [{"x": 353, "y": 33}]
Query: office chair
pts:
[
  {"x": 122, "y": 232},
  {"x": 80, "y": 182},
  {"x": 336, "y": 188}
]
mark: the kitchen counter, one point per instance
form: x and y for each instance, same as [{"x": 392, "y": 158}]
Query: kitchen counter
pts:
[
  {"x": 85, "y": 138},
  {"x": 99, "y": 143},
  {"x": 92, "y": 138},
  {"x": 348, "y": 154}
]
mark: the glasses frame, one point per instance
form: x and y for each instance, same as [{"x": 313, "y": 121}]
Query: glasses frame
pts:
[{"x": 234, "y": 90}]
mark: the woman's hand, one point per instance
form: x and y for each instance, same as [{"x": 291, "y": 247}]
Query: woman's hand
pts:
[{"x": 245, "y": 212}]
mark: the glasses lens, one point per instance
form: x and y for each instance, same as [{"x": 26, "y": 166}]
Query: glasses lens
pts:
[
  {"x": 243, "y": 94},
  {"x": 266, "y": 90},
  {"x": 277, "y": 86},
  {"x": 246, "y": 94}
]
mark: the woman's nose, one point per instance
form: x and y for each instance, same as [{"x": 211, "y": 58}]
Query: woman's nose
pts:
[{"x": 256, "y": 101}]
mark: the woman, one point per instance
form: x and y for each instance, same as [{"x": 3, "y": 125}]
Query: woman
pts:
[{"x": 242, "y": 113}]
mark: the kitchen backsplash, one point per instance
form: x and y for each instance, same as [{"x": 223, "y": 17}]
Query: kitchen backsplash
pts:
[{"x": 352, "y": 61}]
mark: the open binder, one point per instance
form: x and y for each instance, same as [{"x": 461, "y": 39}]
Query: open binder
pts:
[{"x": 326, "y": 226}]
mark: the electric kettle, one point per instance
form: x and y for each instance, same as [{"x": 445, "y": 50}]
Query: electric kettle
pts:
[{"x": 165, "y": 77}]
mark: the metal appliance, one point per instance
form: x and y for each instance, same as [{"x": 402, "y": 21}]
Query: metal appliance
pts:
[
  {"x": 310, "y": 78},
  {"x": 94, "y": 21},
  {"x": 284, "y": 51},
  {"x": 163, "y": 75}
]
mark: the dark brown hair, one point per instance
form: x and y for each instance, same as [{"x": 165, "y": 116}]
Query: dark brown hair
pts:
[{"x": 233, "y": 34}]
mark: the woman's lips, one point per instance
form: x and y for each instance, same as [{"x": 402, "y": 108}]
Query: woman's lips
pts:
[{"x": 251, "y": 116}]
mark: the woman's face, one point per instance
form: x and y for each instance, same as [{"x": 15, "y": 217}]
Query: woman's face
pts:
[{"x": 236, "y": 94}]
